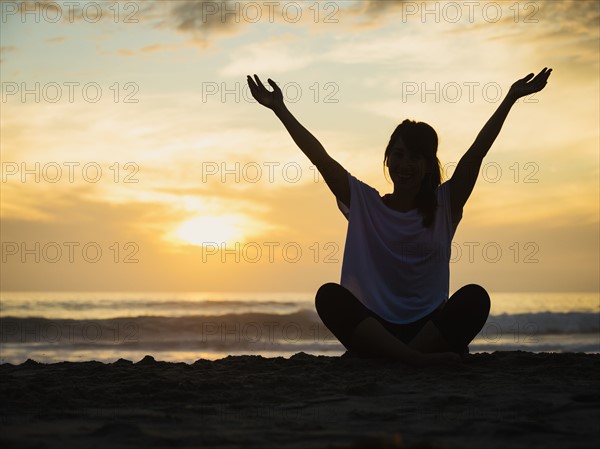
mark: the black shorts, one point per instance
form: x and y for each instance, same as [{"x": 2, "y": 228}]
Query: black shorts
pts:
[{"x": 459, "y": 319}]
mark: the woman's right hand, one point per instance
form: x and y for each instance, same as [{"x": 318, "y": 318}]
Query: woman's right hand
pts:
[{"x": 271, "y": 100}]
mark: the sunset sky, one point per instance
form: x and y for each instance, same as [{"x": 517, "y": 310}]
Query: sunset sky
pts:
[{"x": 153, "y": 94}]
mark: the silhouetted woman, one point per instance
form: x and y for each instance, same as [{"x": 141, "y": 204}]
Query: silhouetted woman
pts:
[{"x": 393, "y": 301}]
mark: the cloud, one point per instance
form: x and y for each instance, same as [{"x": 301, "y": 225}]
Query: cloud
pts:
[
  {"x": 7, "y": 49},
  {"x": 71, "y": 12},
  {"x": 78, "y": 222},
  {"x": 56, "y": 40},
  {"x": 375, "y": 49},
  {"x": 151, "y": 49},
  {"x": 569, "y": 29},
  {"x": 376, "y": 13},
  {"x": 206, "y": 20},
  {"x": 280, "y": 54},
  {"x": 126, "y": 52},
  {"x": 203, "y": 20},
  {"x": 76, "y": 219}
]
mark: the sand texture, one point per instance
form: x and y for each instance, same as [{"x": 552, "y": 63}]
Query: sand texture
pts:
[{"x": 500, "y": 400}]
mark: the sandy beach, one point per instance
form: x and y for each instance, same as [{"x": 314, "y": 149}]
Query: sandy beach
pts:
[{"x": 504, "y": 399}]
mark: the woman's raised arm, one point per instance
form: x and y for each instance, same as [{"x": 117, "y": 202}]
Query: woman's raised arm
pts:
[
  {"x": 334, "y": 174},
  {"x": 467, "y": 170}
]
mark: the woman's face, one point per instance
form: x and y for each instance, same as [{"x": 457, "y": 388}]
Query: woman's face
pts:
[{"x": 406, "y": 170}]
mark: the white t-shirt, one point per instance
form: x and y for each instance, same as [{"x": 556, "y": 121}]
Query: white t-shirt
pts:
[{"x": 395, "y": 266}]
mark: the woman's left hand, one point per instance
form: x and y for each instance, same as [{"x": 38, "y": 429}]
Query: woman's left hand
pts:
[{"x": 527, "y": 86}]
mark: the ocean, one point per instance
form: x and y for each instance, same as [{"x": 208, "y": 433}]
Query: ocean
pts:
[{"x": 184, "y": 327}]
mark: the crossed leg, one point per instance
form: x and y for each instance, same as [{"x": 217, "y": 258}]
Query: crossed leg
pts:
[
  {"x": 450, "y": 328},
  {"x": 454, "y": 326}
]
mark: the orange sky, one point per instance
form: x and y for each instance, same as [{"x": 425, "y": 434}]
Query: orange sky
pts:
[{"x": 154, "y": 97}]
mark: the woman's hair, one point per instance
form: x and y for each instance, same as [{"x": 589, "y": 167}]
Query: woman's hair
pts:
[{"x": 420, "y": 138}]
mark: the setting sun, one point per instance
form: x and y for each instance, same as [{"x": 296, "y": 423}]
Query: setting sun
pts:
[{"x": 211, "y": 229}]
